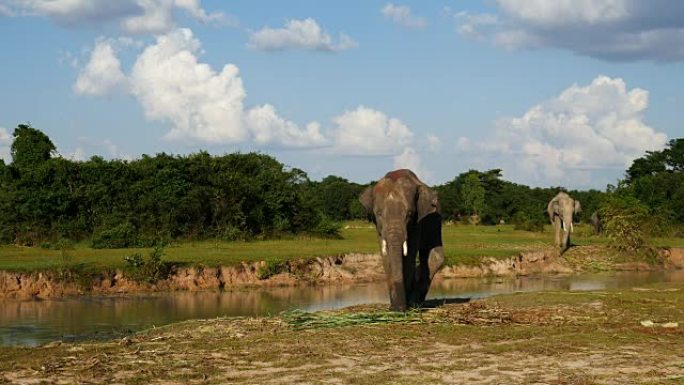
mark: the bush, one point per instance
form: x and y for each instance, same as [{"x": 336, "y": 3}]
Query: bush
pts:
[
  {"x": 118, "y": 237},
  {"x": 270, "y": 269},
  {"x": 625, "y": 222},
  {"x": 328, "y": 228},
  {"x": 522, "y": 221},
  {"x": 148, "y": 270}
]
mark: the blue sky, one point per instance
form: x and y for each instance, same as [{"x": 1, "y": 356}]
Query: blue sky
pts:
[{"x": 554, "y": 93}]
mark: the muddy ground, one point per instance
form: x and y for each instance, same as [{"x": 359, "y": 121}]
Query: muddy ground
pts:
[{"x": 612, "y": 337}]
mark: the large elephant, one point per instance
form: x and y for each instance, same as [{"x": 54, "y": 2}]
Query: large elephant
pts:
[
  {"x": 407, "y": 218},
  {"x": 561, "y": 210}
]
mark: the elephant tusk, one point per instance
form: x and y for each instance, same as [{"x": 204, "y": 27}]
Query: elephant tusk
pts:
[
  {"x": 384, "y": 247},
  {"x": 571, "y": 228},
  {"x": 405, "y": 249},
  {"x": 564, "y": 227}
]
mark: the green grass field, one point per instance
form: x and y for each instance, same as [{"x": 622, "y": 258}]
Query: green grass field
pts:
[{"x": 463, "y": 245}]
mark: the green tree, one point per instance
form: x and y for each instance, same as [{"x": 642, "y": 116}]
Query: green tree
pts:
[
  {"x": 473, "y": 194},
  {"x": 30, "y": 147}
]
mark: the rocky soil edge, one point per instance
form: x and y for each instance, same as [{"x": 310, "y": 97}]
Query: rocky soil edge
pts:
[{"x": 347, "y": 268}]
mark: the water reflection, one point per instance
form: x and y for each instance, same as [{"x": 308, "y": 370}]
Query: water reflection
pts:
[{"x": 35, "y": 322}]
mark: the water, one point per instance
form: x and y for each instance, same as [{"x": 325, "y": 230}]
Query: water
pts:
[{"x": 39, "y": 321}]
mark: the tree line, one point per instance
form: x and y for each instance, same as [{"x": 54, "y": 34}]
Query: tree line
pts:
[{"x": 119, "y": 203}]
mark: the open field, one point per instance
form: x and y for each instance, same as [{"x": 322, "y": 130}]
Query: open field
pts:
[
  {"x": 528, "y": 338},
  {"x": 462, "y": 244}
]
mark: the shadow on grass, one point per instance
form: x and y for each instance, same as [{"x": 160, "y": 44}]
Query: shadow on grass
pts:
[{"x": 438, "y": 302}]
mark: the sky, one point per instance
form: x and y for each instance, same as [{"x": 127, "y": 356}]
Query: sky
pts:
[{"x": 554, "y": 93}]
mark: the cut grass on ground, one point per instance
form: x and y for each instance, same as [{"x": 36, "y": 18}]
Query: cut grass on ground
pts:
[
  {"x": 550, "y": 337},
  {"x": 462, "y": 245}
]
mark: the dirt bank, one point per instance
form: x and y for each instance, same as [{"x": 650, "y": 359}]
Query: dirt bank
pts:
[{"x": 348, "y": 268}]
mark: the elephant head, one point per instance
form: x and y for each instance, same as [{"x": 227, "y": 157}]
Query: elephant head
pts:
[
  {"x": 408, "y": 223},
  {"x": 561, "y": 210}
]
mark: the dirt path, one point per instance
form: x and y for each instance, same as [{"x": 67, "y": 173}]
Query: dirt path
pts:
[{"x": 532, "y": 338}]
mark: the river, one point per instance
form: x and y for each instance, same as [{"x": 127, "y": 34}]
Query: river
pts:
[{"x": 35, "y": 322}]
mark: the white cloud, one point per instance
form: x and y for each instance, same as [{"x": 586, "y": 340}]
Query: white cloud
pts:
[
  {"x": 402, "y": 15},
  {"x": 543, "y": 12},
  {"x": 434, "y": 143},
  {"x": 605, "y": 29},
  {"x": 368, "y": 132},
  {"x": 268, "y": 127},
  {"x": 173, "y": 86},
  {"x": 204, "y": 105},
  {"x": 570, "y": 139},
  {"x": 298, "y": 34},
  {"x": 5, "y": 144},
  {"x": 102, "y": 74},
  {"x": 5, "y": 10},
  {"x": 135, "y": 16},
  {"x": 410, "y": 159}
]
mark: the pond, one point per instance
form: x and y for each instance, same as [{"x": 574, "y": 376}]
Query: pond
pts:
[{"x": 36, "y": 322}]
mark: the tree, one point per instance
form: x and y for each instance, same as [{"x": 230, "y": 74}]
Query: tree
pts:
[
  {"x": 30, "y": 147},
  {"x": 473, "y": 194}
]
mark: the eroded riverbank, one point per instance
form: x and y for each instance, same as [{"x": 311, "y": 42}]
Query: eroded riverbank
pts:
[{"x": 344, "y": 269}]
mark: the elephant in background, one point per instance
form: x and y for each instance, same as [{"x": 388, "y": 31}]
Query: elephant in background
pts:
[
  {"x": 408, "y": 222},
  {"x": 561, "y": 210},
  {"x": 596, "y": 223}
]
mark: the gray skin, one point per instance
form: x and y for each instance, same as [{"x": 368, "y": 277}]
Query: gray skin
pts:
[
  {"x": 561, "y": 210},
  {"x": 596, "y": 223},
  {"x": 407, "y": 218}
]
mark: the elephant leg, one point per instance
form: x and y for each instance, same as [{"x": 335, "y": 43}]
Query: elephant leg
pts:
[
  {"x": 409, "y": 273},
  {"x": 557, "y": 231},
  {"x": 430, "y": 261}
]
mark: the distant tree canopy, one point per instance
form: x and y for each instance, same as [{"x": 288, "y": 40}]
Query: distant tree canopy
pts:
[
  {"x": 118, "y": 203},
  {"x": 30, "y": 147},
  {"x": 657, "y": 180},
  {"x": 121, "y": 203}
]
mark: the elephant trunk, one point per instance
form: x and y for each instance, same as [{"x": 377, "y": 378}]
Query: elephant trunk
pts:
[
  {"x": 394, "y": 270},
  {"x": 566, "y": 221}
]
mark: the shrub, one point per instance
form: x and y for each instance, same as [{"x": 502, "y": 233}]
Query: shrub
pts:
[
  {"x": 522, "y": 221},
  {"x": 117, "y": 237},
  {"x": 625, "y": 221},
  {"x": 270, "y": 269},
  {"x": 148, "y": 270},
  {"x": 328, "y": 228}
]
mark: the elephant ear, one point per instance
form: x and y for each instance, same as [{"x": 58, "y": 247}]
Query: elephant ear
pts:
[
  {"x": 366, "y": 199},
  {"x": 427, "y": 202},
  {"x": 578, "y": 207},
  {"x": 552, "y": 208}
]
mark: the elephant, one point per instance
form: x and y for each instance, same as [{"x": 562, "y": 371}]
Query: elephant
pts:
[
  {"x": 561, "y": 210},
  {"x": 596, "y": 223},
  {"x": 408, "y": 223}
]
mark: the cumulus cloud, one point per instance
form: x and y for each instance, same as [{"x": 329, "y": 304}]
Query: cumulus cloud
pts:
[
  {"x": 368, "y": 132},
  {"x": 570, "y": 139},
  {"x": 402, "y": 15},
  {"x": 605, "y": 29},
  {"x": 298, "y": 34},
  {"x": 199, "y": 102},
  {"x": 409, "y": 158},
  {"x": 134, "y": 16},
  {"x": 204, "y": 105},
  {"x": 5, "y": 144},
  {"x": 102, "y": 74},
  {"x": 268, "y": 127}
]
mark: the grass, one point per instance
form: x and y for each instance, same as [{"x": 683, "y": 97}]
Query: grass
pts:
[
  {"x": 549, "y": 337},
  {"x": 462, "y": 244}
]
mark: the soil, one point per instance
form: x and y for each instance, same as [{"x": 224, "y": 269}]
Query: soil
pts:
[
  {"x": 348, "y": 268},
  {"x": 527, "y": 338}
]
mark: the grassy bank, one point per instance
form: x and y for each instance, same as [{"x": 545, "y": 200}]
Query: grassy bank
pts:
[
  {"x": 551, "y": 338},
  {"x": 462, "y": 244}
]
